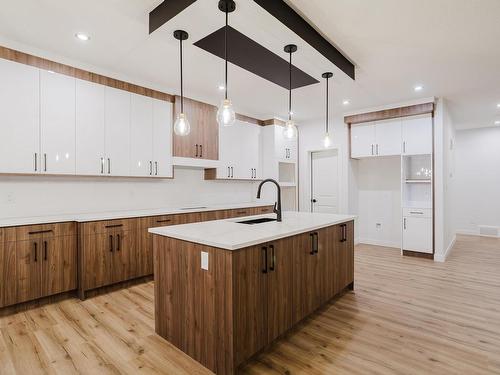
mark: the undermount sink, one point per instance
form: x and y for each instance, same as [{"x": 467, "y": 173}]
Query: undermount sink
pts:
[{"x": 256, "y": 221}]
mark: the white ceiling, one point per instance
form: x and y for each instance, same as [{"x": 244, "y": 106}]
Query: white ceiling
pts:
[{"x": 448, "y": 46}]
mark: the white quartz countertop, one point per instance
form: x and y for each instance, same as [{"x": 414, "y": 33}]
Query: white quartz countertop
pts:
[
  {"x": 122, "y": 214},
  {"x": 230, "y": 235}
]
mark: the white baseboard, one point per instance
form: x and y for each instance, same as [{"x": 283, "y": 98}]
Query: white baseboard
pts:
[
  {"x": 442, "y": 257},
  {"x": 379, "y": 243},
  {"x": 466, "y": 232}
]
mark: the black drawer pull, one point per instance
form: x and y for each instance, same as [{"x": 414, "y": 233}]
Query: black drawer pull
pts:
[
  {"x": 45, "y": 250},
  {"x": 164, "y": 221},
  {"x": 118, "y": 242},
  {"x": 316, "y": 243},
  {"x": 273, "y": 258},
  {"x": 264, "y": 252},
  {"x": 111, "y": 244},
  {"x": 41, "y": 231},
  {"x": 241, "y": 212},
  {"x": 114, "y": 226},
  {"x": 312, "y": 244},
  {"x": 35, "y": 245}
]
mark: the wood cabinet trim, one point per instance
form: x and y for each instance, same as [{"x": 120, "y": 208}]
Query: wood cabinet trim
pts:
[
  {"x": 386, "y": 114},
  {"x": 41, "y": 63}
]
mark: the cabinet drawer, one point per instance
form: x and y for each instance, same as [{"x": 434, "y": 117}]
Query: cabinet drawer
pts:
[
  {"x": 96, "y": 227},
  {"x": 241, "y": 212},
  {"x": 263, "y": 210},
  {"x": 417, "y": 212},
  {"x": 164, "y": 220},
  {"x": 7, "y": 235},
  {"x": 30, "y": 232}
]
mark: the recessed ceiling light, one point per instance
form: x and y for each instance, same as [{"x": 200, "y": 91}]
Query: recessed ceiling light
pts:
[
  {"x": 418, "y": 88},
  {"x": 346, "y": 102},
  {"x": 498, "y": 105},
  {"x": 82, "y": 36},
  {"x": 497, "y": 122},
  {"x": 222, "y": 87}
]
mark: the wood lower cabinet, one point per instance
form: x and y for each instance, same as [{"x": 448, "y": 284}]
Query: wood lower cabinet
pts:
[
  {"x": 37, "y": 261},
  {"x": 247, "y": 298}
]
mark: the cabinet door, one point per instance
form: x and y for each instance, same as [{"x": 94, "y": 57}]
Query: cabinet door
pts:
[
  {"x": 8, "y": 273},
  {"x": 251, "y": 153},
  {"x": 363, "y": 140},
  {"x": 57, "y": 123},
  {"x": 142, "y": 258},
  {"x": 162, "y": 138},
  {"x": 279, "y": 284},
  {"x": 417, "y": 135},
  {"x": 125, "y": 256},
  {"x": 291, "y": 149},
  {"x": 19, "y": 118},
  {"x": 28, "y": 270},
  {"x": 250, "y": 302},
  {"x": 230, "y": 139},
  {"x": 141, "y": 135},
  {"x": 98, "y": 253},
  {"x": 280, "y": 145},
  {"x": 344, "y": 256},
  {"x": 89, "y": 128},
  {"x": 417, "y": 234},
  {"x": 388, "y": 137},
  {"x": 59, "y": 264},
  {"x": 117, "y": 132}
]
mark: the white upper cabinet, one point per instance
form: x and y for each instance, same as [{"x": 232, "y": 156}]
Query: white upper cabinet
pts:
[
  {"x": 162, "y": 138},
  {"x": 285, "y": 149},
  {"x": 363, "y": 140},
  {"x": 57, "y": 123},
  {"x": 117, "y": 132},
  {"x": 388, "y": 137},
  {"x": 141, "y": 133},
  {"x": 90, "y": 148},
  {"x": 417, "y": 135},
  {"x": 19, "y": 118}
]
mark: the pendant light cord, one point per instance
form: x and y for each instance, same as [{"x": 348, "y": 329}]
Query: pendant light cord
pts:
[
  {"x": 182, "y": 80},
  {"x": 225, "y": 49},
  {"x": 290, "y": 91},
  {"x": 327, "y": 101}
]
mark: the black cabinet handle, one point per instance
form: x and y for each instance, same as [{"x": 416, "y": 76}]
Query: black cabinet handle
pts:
[
  {"x": 156, "y": 168},
  {"x": 118, "y": 242},
  {"x": 312, "y": 243},
  {"x": 111, "y": 244},
  {"x": 228, "y": 172},
  {"x": 45, "y": 250},
  {"x": 150, "y": 168},
  {"x": 264, "y": 253},
  {"x": 316, "y": 243},
  {"x": 273, "y": 258},
  {"x": 114, "y": 226},
  {"x": 164, "y": 221},
  {"x": 109, "y": 166},
  {"x": 344, "y": 233},
  {"x": 196, "y": 150},
  {"x": 35, "y": 245},
  {"x": 201, "y": 151},
  {"x": 232, "y": 172},
  {"x": 41, "y": 231}
]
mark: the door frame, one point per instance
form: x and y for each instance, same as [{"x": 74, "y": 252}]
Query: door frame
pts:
[{"x": 310, "y": 153}]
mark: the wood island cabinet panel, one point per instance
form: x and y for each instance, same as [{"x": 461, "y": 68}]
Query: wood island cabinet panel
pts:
[
  {"x": 28, "y": 271},
  {"x": 59, "y": 264},
  {"x": 97, "y": 260},
  {"x": 8, "y": 273}
]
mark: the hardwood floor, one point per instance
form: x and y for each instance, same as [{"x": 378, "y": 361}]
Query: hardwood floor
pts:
[{"x": 406, "y": 316}]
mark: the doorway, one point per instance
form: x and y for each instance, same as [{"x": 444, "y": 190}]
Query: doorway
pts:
[{"x": 325, "y": 181}]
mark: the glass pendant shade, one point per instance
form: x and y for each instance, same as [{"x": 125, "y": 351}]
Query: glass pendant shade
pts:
[
  {"x": 182, "y": 126},
  {"x": 226, "y": 115},
  {"x": 327, "y": 141},
  {"x": 290, "y": 130}
]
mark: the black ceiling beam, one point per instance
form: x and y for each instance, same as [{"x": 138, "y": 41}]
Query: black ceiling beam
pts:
[
  {"x": 166, "y": 11},
  {"x": 286, "y": 15}
]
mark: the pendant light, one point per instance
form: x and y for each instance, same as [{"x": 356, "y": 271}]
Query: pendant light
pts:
[
  {"x": 290, "y": 130},
  {"x": 181, "y": 125},
  {"x": 225, "y": 114},
  {"x": 327, "y": 142}
]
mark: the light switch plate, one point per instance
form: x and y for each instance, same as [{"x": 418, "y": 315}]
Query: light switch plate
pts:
[{"x": 204, "y": 260}]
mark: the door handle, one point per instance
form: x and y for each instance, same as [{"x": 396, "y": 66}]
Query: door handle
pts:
[
  {"x": 273, "y": 258},
  {"x": 111, "y": 244},
  {"x": 156, "y": 168},
  {"x": 312, "y": 243},
  {"x": 118, "y": 242},
  {"x": 264, "y": 253},
  {"x": 342, "y": 232},
  {"x": 109, "y": 166},
  {"x": 35, "y": 246},
  {"x": 45, "y": 250},
  {"x": 313, "y": 200},
  {"x": 150, "y": 168}
]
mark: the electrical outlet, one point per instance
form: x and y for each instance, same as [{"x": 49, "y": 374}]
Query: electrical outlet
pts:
[
  {"x": 378, "y": 226},
  {"x": 204, "y": 261}
]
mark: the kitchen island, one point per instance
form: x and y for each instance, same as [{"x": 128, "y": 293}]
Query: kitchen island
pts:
[{"x": 224, "y": 290}]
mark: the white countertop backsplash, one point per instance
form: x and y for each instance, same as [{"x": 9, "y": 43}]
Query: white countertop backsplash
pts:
[
  {"x": 110, "y": 215},
  {"x": 230, "y": 235}
]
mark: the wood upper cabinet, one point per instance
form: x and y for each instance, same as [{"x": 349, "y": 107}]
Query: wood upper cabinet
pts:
[
  {"x": 57, "y": 123},
  {"x": 19, "y": 118},
  {"x": 203, "y": 140}
]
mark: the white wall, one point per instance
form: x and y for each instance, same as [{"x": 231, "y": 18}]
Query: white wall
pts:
[
  {"x": 477, "y": 190},
  {"x": 22, "y": 196},
  {"x": 379, "y": 201}
]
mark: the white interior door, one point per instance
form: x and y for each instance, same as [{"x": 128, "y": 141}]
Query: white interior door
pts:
[
  {"x": 325, "y": 181},
  {"x": 19, "y": 118}
]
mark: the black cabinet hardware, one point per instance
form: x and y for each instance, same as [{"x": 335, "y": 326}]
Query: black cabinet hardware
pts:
[
  {"x": 273, "y": 258},
  {"x": 232, "y": 172},
  {"x": 45, "y": 162},
  {"x": 41, "y": 231},
  {"x": 164, "y": 221},
  {"x": 312, "y": 243},
  {"x": 201, "y": 151},
  {"x": 102, "y": 165},
  {"x": 111, "y": 244},
  {"x": 228, "y": 172},
  {"x": 114, "y": 226},
  {"x": 118, "y": 241},
  {"x": 264, "y": 254},
  {"x": 343, "y": 231},
  {"x": 45, "y": 250},
  {"x": 150, "y": 168},
  {"x": 35, "y": 246},
  {"x": 316, "y": 242},
  {"x": 109, "y": 166},
  {"x": 196, "y": 150},
  {"x": 156, "y": 168},
  {"x": 36, "y": 162}
]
